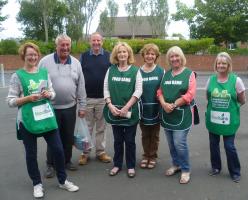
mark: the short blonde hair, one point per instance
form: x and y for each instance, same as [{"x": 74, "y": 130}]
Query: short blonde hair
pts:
[
  {"x": 62, "y": 37},
  {"x": 23, "y": 49},
  {"x": 177, "y": 50},
  {"x": 228, "y": 60},
  {"x": 148, "y": 47},
  {"x": 113, "y": 57}
]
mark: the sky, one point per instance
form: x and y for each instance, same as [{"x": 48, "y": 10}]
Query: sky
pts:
[{"x": 13, "y": 30}]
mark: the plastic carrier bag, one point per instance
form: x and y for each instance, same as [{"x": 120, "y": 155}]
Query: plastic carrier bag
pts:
[{"x": 82, "y": 138}]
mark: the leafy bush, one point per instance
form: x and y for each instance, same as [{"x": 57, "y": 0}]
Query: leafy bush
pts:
[
  {"x": 109, "y": 44},
  {"x": 188, "y": 46},
  {"x": 214, "y": 49},
  {"x": 201, "y": 46},
  {"x": 136, "y": 44},
  {"x": 8, "y": 47},
  {"x": 238, "y": 51},
  {"x": 45, "y": 48},
  {"x": 79, "y": 47}
]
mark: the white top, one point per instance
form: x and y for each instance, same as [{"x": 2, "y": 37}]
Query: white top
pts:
[{"x": 240, "y": 87}]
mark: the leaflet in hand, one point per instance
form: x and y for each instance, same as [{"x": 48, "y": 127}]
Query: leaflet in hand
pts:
[
  {"x": 42, "y": 86},
  {"x": 128, "y": 115}
]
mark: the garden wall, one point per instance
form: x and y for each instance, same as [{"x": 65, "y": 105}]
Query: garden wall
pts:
[{"x": 201, "y": 63}]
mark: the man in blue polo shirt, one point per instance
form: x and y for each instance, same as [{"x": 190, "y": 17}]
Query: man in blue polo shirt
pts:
[{"x": 95, "y": 64}]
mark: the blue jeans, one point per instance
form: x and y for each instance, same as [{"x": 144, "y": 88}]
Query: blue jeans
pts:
[
  {"x": 231, "y": 153},
  {"x": 53, "y": 141},
  {"x": 177, "y": 141},
  {"x": 124, "y": 134}
]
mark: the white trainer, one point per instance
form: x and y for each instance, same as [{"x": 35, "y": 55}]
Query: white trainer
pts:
[
  {"x": 69, "y": 186},
  {"x": 38, "y": 191}
]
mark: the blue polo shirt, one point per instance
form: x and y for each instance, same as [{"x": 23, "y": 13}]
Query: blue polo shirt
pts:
[
  {"x": 57, "y": 60},
  {"x": 94, "y": 68}
]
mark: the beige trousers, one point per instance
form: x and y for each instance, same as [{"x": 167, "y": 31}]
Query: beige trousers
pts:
[{"x": 94, "y": 118}]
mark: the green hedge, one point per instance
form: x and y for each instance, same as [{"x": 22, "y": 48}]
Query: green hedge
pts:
[
  {"x": 213, "y": 49},
  {"x": 201, "y": 46},
  {"x": 8, "y": 47},
  {"x": 79, "y": 47},
  {"x": 45, "y": 48}
]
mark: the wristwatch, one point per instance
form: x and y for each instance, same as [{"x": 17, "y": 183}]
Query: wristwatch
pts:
[{"x": 108, "y": 102}]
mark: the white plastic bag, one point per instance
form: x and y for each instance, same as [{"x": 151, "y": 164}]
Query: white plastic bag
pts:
[{"x": 82, "y": 138}]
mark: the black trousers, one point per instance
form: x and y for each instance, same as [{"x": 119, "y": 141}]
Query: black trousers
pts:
[
  {"x": 53, "y": 141},
  {"x": 124, "y": 135},
  {"x": 66, "y": 119}
]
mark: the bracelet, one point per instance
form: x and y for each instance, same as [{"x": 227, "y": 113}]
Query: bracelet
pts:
[{"x": 108, "y": 102}]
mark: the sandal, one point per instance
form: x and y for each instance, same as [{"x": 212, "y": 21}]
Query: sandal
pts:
[
  {"x": 172, "y": 171},
  {"x": 144, "y": 163},
  {"x": 185, "y": 178},
  {"x": 114, "y": 171},
  {"x": 131, "y": 173},
  {"x": 151, "y": 164}
]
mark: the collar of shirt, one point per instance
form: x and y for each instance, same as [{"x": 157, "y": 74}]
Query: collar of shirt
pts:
[
  {"x": 101, "y": 52},
  {"x": 57, "y": 60}
]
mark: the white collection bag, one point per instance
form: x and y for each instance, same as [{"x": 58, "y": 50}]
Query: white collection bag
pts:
[{"x": 82, "y": 138}]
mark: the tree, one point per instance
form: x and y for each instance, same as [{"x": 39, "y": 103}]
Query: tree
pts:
[
  {"x": 225, "y": 21},
  {"x": 107, "y": 18},
  {"x": 132, "y": 8},
  {"x": 157, "y": 12},
  {"x": 89, "y": 10},
  {"x": 105, "y": 23},
  {"x": 75, "y": 19},
  {"x": 2, "y": 18},
  {"x": 46, "y": 10},
  {"x": 40, "y": 24}
]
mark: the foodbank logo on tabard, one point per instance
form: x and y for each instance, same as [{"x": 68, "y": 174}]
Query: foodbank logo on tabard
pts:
[
  {"x": 220, "y": 99},
  {"x": 36, "y": 87}
]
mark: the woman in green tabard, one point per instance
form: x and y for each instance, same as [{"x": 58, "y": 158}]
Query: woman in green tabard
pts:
[
  {"x": 122, "y": 89},
  {"x": 152, "y": 75},
  {"x": 176, "y": 94},
  {"x": 31, "y": 90},
  {"x": 225, "y": 94}
]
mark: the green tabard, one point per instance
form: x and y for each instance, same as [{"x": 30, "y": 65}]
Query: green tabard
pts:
[
  {"x": 173, "y": 87},
  {"x": 38, "y": 117},
  {"x": 121, "y": 87},
  {"x": 149, "y": 104},
  {"x": 223, "y": 109}
]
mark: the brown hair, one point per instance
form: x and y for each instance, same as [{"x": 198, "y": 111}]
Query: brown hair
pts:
[
  {"x": 23, "y": 49},
  {"x": 148, "y": 47}
]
